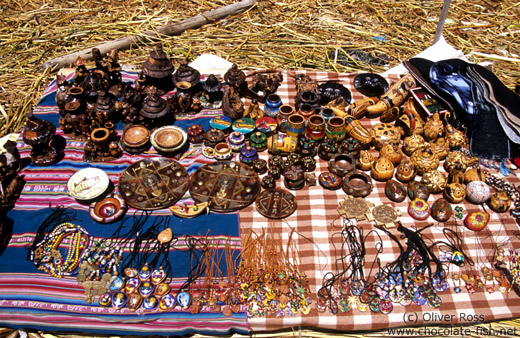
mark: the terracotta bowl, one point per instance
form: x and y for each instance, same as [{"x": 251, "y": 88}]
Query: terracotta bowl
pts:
[
  {"x": 136, "y": 139},
  {"x": 108, "y": 210},
  {"x": 169, "y": 139}
]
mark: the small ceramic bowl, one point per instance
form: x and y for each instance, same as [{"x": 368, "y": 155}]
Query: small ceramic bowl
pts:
[
  {"x": 108, "y": 210},
  {"x": 223, "y": 151},
  {"x": 88, "y": 184},
  {"x": 342, "y": 164},
  {"x": 136, "y": 139},
  {"x": 169, "y": 139}
]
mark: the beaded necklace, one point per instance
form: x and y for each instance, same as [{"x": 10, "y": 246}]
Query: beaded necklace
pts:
[{"x": 47, "y": 256}]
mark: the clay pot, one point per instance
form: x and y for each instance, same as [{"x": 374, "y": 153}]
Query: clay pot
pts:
[
  {"x": 342, "y": 164},
  {"x": 272, "y": 105},
  {"x": 136, "y": 139},
  {"x": 183, "y": 97},
  {"x": 295, "y": 125},
  {"x": 306, "y": 110},
  {"x": 283, "y": 116},
  {"x": 336, "y": 129},
  {"x": 382, "y": 169},
  {"x": 316, "y": 127}
]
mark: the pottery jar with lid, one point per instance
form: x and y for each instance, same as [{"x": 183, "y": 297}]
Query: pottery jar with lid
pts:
[
  {"x": 283, "y": 115},
  {"x": 296, "y": 125},
  {"x": 136, "y": 139},
  {"x": 258, "y": 140},
  {"x": 247, "y": 155},
  {"x": 294, "y": 177},
  {"x": 335, "y": 129},
  {"x": 316, "y": 127},
  {"x": 236, "y": 141},
  {"x": 260, "y": 166},
  {"x": 272, "y": 105},
  {"x": 196, "y": 134},
  {"x": 213, "y": 136}
]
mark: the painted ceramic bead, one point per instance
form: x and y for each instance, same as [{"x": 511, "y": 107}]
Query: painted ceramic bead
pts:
[
  {"x": 455, "y": 192},
  {"x": 382, "y": 169},
  {"x": 434, "y": 180},
  {"x": 476, "y": 221},
  {"x": 419, "y": 209},
  {"x": 365, "y": 160},
  {"x": 477, "y": 192},
  {"x": 405, "y": 171},
  {"x": 417, "y": 190},
  {"x": 441, "y": 210},
  {"x": 499, "y": 202},
  {"x": 395, "y": 191}
]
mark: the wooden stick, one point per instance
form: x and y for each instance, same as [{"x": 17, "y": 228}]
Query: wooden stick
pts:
[
  {"x": 442, "y": 18},
  {"x": 151, "y": 35}
]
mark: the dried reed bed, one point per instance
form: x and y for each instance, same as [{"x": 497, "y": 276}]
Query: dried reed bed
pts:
[{"x": 291, "y": 34}]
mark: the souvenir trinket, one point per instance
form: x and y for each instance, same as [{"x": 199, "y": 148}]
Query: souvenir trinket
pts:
[
  {"x": 382, "y": 169},
  {"x": 158, "y": 276},
  {"x": 412, "y": 143},
  {"x": 275, "y": 171},
  {"x": 459, "y": 159},
  {"x": 424, "y": 160},
  {"x": 383, "y": 133},
  {"x": 134, "y": 301},
  {"x": 266, "y": 125},
  {"x": 405, "y": 171},
  {"x": 158, "y": 69},
  {"x": 213, "y": 136},
  {"x": 236, "y": 141},
  {"x": 169, "y": 140},
  {"x": 102, "y": 145},
  {"x": 11, "y": 184},
  {"x": 146, "y": 289},
  {"x": 184, "y": 300},
  {"x": 40, "y": 134},
  {"x": 417, "y": 190},
  {"x": 419, "y": 209},
  {"x": 188, "y": 211},
  {"x": 354, "y": 207},
  {"x": 392, "y": 152},
  {"x": 330, "y": 181},
  {"x": 258, "y": 140},
  {"x": 260, "y": 166},
  {"x": 247, "y": 155},
  {"x": 167, "y": 302},
  {"x": 227, "y": 186},
  {"x": 88, "y": 184},
  {"x": 296, "y": 125},
  {"x": 477, "y": 220},
  {"x": 477, "y": 192},
  {"x": 136, "y": 139},
  {"x": 395, "y": 191},
  {"x": 244, "y": 126},
  {"x": 357, "y": 184},
  {"x": 329, "y": 91},
  {"x": 342, "y": 164},
  {"x": 165, "y": 236},
  {"x": 455, "y": 192},
  {"x": 441, "y": 210},
  {"x": 208, "y": 152},
  {"x": 153, "y": 183},
  {"x": 306, "y": 110},
  {"x": 384, "y": 214},
  {"x": 281, "y": 144},
  {"x": 310, "y": 97},
  {"x": 327, "y": 114},
  {"x": 434, "y": 127},
  {"x": 130, "y": 272},
  {"x": 394, "y": 96},
  {"x": 474, "y": 174},
  {"x": 222, "y": 151},
  {"x": 108, "y": 210},
  {"x": 440, "y": 147},
  {"x": 310, "y": 179},
  {"x": 116, "y": 284},
  {"x": 186, "y": 73},
  {"x": 276, "y": 203},
  {"x": 315, "y": 127},
  {"x": 145, "y": 272},
  {"x": 132, "y": 285},
  {"x": 294, "y": 158},
  {"x": 105, "y": 300},
  {"x": 272, "y": 105},
  {"x": 268, "y": 182},
  {"x": 365, "y": 160},
  {"x": 499, "y": 202},
  {"x": 284, "y": 113},
  {"x": 335, "y": 129},
  {"x": 306, "y": 147},
  {"x": 222, "y": 123},
  {"x": 212, "y": 93},
  {"x": 370, "y": 84},
  {"x": 196, "y": 134},
  {"x": 161, "y": 289},
  {"x": 350, "y": 146},
  {"x": 434, "y": 180},
  {"x": 308, "y": 163},
  {"x": 294, "y": 177},
  {"x": 155, "y": 111},
  {"x": 119, "y": 300},
  {"x": 151, "y": 303},
  {"x": 327, "y": 149}
]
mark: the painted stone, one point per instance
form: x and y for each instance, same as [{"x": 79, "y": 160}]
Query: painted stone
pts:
[
  {"x": 330, "y": 181},
  {"x": 419, "y": 209},
  {"x": 441, "y": 210},
  {"x": 395, "y": 191},
  {"x": 476, "y": 221},
  {"x": 477, "y": 192},
  {"x": 417, "y": 190}
]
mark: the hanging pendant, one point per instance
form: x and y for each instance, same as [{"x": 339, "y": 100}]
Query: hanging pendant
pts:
[
  {"x": 151, "y": 303},
  {"x": 119, "y": 300},
  {"x": 167, "y": 302},
  {"x": 117, "y": 284},
  {"x": 134, "y": 301},
  {"x": 146, "y": 288},
  {"x": 457, "y": 258},
  {"x": 158, "y": 275},
  {"x": 105, "y": 299},
  {"x": 184, "y": 300},
  {"x": 145, "y": 272},
  {"x": 132, "y": 285}
]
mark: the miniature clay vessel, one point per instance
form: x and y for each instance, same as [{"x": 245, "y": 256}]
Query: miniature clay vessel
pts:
[
  {"x": 316, "y": 127},
  {"x": 158, "y": 69},
  {"x": 435, "y": 181},
  {"x": 281, "y": 144},
  {"x": 499, "y": 202},
  {"x": 433, "y": 128},
  {"x": 335, "y": 129},
  {"x": 186, "y": 73},
  {"x": 136, "y": 139},
  {"x": 284, "y": 112},
  {"x": 424, "y": 160},
  {"x": 272, "y": 105},
  {"x": 440, "y": 147},
  {"x": 213, "y": 136},
  {"x": 212, "y": 92},
  {"x": 419, "y": 209},
  {"x": 11, "y": 183},
  {"x": 365, "y": 160},
  {"x": 342, "y": 164},
  {"x": 260, "y": 166},
  {"x": 309, "y": 97},
  {"x": 455, "y": 192},
  {"x": 183, "y": 98},
  {"x": 412, "y": 143},
  {"x": 395, "y": 191},
  {"x": 102, "y": 146},
  {"x": 441, "y": 210},
  {"x": 223, "y": 151},
  {"x": 383, "y": 133},
  {"x": 232, "y": 105},
  {"x": 235, "y": 77},
  {"x": 327, "y": 149},
  {"x": 244, "y": 125},
  {"x": 155, "y": 111},
  {"x": 306, "y": 110},
  {"x": 405, "y": 171},
  {"x": 268, "y": 182},
  {"x": 392, "y": 152},
  {"x": 350, "y": 146},
  {"x": 306, "y": 147},
  {"x": 382, "y": 169},
  {"x": 357, "y": 184},
  {"x": 258, "y": 140},
  {"x": 169, "y": 140},
  {"x": 267, "y": 125},
  {"x": 296, "y": 125},
  {"x": 417, "y": 190},
  {"x": 327, "y": 114},
  {"x": 40, "y": 135},
  {"x": 196, "y": 134},
  {"x": 236, "y": 141},
  {"x": 294, "y": 177},
  {"x": 247, "y": 155},
  {"x": 308, "y": 163},
  {"x": 477, "y": 192}
]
